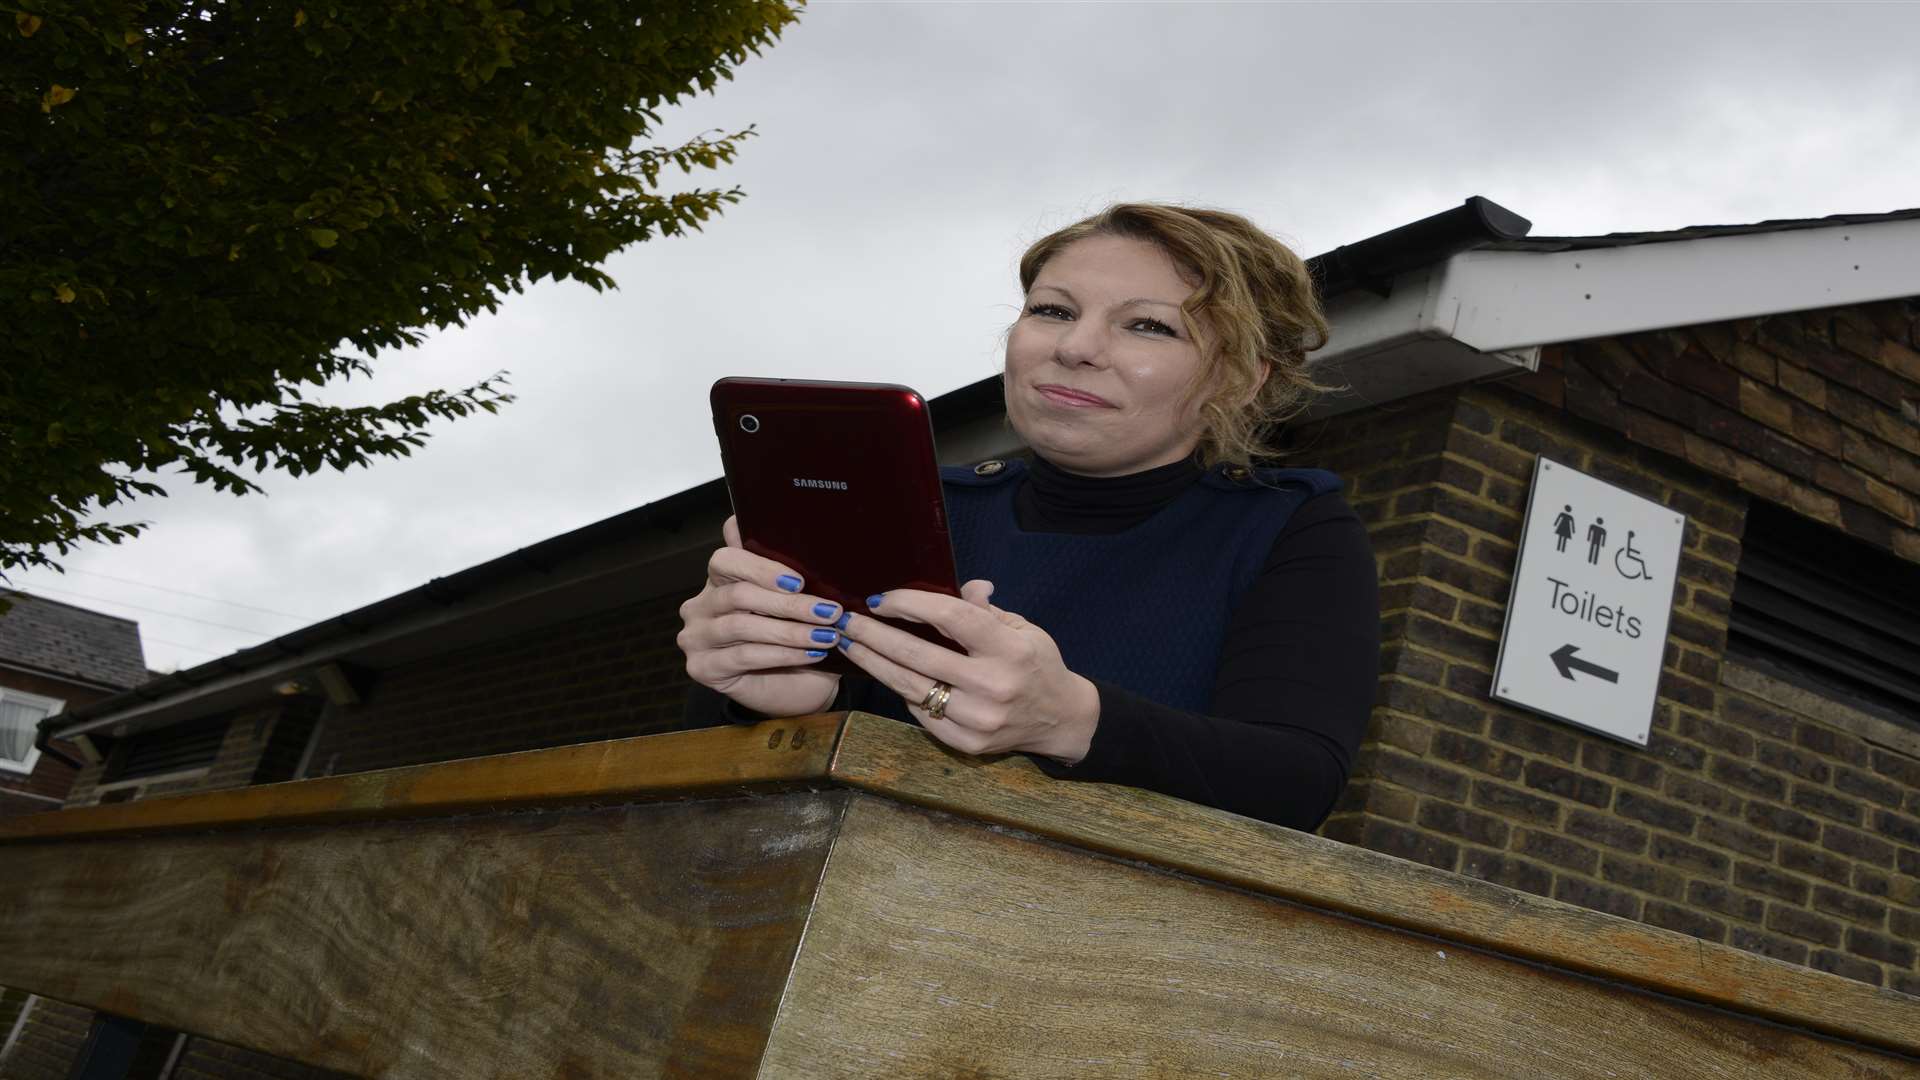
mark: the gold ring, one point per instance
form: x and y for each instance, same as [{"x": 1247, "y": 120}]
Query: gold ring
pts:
[{"x": 936, "y": 700}]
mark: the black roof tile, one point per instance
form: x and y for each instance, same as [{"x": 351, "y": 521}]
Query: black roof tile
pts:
[{"x": 61, "y": 639}]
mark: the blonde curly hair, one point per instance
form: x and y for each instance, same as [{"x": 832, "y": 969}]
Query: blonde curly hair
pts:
[{"x": 1253, "y": 302}]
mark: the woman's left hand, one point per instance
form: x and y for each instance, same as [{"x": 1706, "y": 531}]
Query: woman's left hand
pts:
[{"x": 1011, "y": 690}]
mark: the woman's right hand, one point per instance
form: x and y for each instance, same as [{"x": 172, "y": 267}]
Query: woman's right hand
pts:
[{"x": 751, "y": 634}]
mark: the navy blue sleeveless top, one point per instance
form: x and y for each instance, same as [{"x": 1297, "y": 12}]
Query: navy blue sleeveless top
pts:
[{"x": 1145, "y": 609}]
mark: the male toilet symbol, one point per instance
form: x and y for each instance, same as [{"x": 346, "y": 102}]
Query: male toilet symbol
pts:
[
  {"x": 1563, "y": 527},
  {"x": 1596, "y": 538},
  {"x": 1628, "y": 555}
]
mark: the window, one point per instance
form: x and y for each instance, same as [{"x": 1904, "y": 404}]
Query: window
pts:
[
  {"x": 1830, "y": 612},
  {"x": 20, "y": 716},
  {"x": 165, "y": 751}
]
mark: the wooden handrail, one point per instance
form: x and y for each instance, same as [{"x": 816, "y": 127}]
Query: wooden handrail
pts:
[
  {"x": 646, "y": 767},
  {"x": 902, "y": 763}
]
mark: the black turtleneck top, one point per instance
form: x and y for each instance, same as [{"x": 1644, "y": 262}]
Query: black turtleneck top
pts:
[{"x": 1297, "y": 672}]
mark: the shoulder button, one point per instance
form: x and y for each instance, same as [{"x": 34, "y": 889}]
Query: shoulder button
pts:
[
  {"x": 988, "y": 468},
  {"x": 1238, "y": 473}
]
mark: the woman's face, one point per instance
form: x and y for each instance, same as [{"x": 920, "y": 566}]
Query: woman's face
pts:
[{"x": 1100, "y": 360}]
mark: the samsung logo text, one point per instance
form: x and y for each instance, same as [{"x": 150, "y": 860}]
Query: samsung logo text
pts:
[{"x": 828, "y": 485}]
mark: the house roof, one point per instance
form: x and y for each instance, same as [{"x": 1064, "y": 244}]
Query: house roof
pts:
[
  {"x": 70, "y": 642},
  {"x": 1692, "y": 232},
  {"x": 1479, "y": 224},
  {"x": 1366, "y": 266}
]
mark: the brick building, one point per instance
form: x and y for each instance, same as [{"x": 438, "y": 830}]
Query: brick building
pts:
[
  {"x": 1763, "y": 380},
  {"x": 54, "y": 657}
]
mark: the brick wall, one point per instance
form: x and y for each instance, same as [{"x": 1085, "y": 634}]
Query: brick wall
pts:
[
  {"x": 1819, "y": 411},
  {"x": 608, "y": 676},
  {"x": 1760, "y": 815}
]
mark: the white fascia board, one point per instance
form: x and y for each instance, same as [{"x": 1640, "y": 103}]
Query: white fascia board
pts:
[
  {"x": 1480, "y": 314},
  {"x": 1380, "y": 348},
  {"x": 1361, "y": 322},
  {"x": 1500, "y": 300}
]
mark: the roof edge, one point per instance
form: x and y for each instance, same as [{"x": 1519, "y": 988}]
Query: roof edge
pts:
[
  {"x": 1372, "y": 264},
  {"x": 951, "y": 410}
]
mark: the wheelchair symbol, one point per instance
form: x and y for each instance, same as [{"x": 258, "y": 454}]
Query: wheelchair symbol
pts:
[{"x": 1626, "y": 555}]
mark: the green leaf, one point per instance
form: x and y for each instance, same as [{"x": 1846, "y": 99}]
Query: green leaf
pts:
[{"x": 163, "y": 307}]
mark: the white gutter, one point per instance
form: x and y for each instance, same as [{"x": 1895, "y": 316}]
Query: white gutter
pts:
[
  {"x": 1405, "y": 343},
  {"x": 1486, "y": 313}
]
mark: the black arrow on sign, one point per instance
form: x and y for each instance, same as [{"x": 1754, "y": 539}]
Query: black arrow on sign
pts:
[{"x": 1564, "y": 659}]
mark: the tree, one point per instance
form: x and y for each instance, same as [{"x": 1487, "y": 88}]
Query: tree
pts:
[{"x": 209, "y": 208}]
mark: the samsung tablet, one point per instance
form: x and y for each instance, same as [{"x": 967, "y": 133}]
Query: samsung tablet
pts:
[{"x": 839, "y": 481}]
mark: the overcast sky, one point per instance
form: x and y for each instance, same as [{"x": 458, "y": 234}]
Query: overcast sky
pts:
[{"x": 908, "y": 153}]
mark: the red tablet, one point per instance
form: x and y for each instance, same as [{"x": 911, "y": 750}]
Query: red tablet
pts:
[{"x": 839, "y": 481}]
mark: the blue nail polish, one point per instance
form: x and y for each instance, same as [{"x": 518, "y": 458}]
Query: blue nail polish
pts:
[
  {"x": 825, "y": 610},
  {"x": 788, "y": 582},
  {"x": 824, "y": 636},
  {"x": 815, "y": 654},
  {"x": 874, "y": 600},
  {"x": 845, "y": 642},
  {"x": 841, "y": 622}
]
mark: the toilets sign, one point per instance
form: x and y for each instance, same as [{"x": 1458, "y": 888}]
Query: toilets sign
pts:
[{"x": 1587, "y": 618}]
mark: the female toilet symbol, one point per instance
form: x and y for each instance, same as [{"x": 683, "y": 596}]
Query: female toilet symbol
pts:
[
  {"x": 1563, "y": 527},
  {"x": 1639, "y": 564}
]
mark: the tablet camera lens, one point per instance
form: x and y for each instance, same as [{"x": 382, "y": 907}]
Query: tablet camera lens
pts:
[{"x": 749, "y": 423}]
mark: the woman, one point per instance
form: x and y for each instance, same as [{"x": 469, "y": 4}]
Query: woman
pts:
[{"x": 1146, "y": 608}]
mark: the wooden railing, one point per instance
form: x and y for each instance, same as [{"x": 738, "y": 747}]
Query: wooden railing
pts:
[{"x": 839, "y": 896}]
